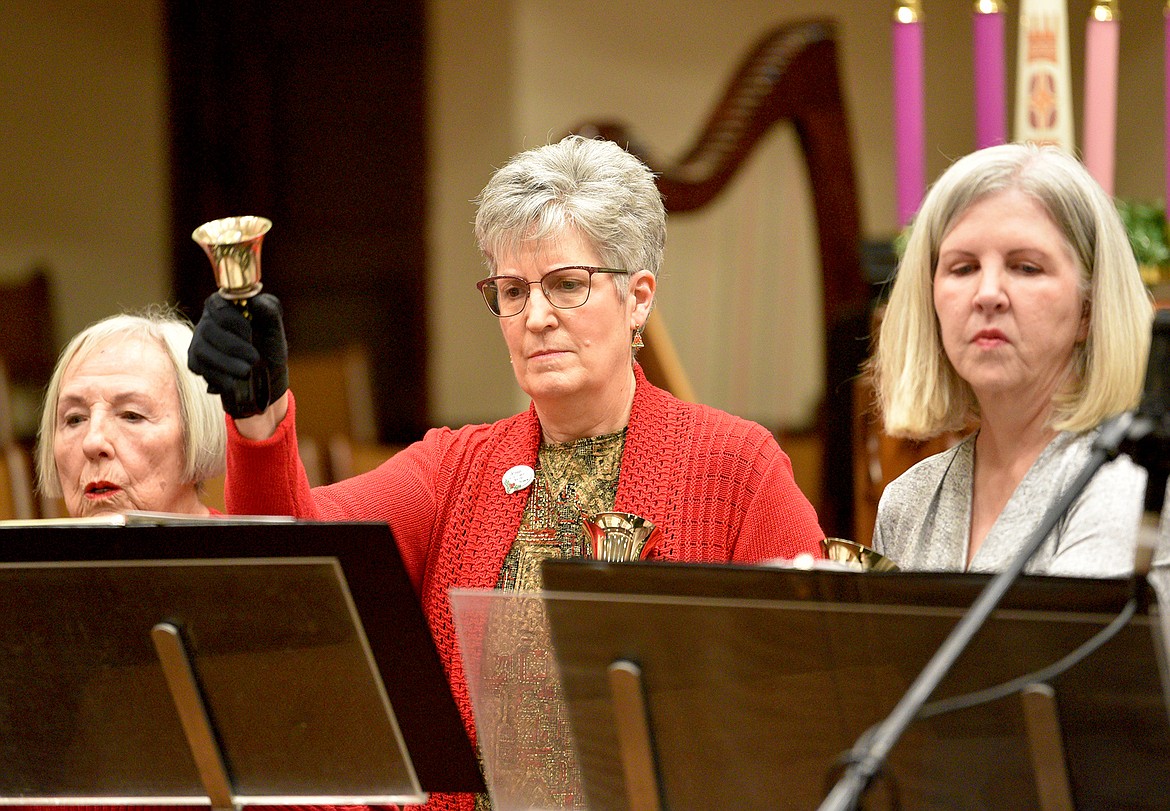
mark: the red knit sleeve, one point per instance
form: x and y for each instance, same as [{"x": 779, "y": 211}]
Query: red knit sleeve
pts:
[
  {"x": 403, "y": 491},
  {"x": 266, "y": 477},
  {"x": 779, "y": 522}
]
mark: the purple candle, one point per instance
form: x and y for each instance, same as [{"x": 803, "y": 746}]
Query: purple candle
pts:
[
  {"x": 909, "y": 109},
  {"x": 990, "y": 82}
]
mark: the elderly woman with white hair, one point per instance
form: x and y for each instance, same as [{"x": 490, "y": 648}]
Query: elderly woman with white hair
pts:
[
  {"x": 126, "y": 426},
  {"x": 1017, "y": 306}
]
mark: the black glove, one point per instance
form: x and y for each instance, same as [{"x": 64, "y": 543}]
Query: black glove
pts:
[{"x": 240, "y": 349}]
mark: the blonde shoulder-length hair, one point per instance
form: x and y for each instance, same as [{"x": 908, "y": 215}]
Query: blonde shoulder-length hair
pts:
[
  {"x": 204, "y": 428},
  {"x": 918, "y": 390}
]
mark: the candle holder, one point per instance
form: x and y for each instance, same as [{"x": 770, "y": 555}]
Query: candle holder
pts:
[
  {"x": 908, "y": 11},
  {"x": 1104, "y": 10}
]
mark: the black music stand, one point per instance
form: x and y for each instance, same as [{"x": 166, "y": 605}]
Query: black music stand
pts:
[
  {"x": 234, "y": 662},
  {"x": 705, "y": 687}
]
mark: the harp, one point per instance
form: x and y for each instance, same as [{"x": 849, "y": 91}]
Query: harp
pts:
[{"x": 789, "y": 76}]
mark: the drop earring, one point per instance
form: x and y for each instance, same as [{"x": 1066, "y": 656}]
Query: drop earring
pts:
[{"x": 637, "y": 343}]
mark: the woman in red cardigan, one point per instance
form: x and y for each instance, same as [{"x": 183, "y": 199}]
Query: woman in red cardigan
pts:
[{"x": 573, "y": 236}]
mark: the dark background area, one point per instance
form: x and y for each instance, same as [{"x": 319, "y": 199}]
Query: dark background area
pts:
[{"x": 311, "y": 114}]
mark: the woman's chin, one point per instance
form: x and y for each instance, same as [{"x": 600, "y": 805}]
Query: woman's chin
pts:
[
  {"x": 90, "y": 508},
  {"x": 551, "y": 383}
]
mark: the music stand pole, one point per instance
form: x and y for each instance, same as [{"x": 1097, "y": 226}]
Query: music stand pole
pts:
[
  {"x": 865, "y": 764},
  {"x": 193, "y": 715}
]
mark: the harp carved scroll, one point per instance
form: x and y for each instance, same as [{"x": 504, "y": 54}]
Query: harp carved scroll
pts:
[{"x": 789, "y": 76}]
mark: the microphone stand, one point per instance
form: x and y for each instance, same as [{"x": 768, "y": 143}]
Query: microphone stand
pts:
[{"x": 866, "y": 763}]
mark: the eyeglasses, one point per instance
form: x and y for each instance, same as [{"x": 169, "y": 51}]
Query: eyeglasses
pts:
[{"x": 565, "y": 288}]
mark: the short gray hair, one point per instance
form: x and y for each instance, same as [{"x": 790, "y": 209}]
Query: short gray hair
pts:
[
  {"x": 919, "y": 391},
  {"x": 204, "y": 430},
  {"x": 591, "y": 186}
]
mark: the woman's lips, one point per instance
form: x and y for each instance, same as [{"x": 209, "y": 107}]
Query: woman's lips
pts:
[
  {"x": 989, "y": 337},
  {"x": 100, "y": 489}
]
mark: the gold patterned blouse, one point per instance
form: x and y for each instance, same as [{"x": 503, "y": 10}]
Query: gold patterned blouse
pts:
[
  {"x": 573, "y": 479},
  {"x": 531, "y": 750}
]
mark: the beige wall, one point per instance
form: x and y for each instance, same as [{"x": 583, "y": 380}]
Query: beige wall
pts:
[
  {"x": 470, "y": 130},
  {"x": 83, "y": 153},
  {"x": 83, "y": 181},
  {"x": 739, "y": 291}
]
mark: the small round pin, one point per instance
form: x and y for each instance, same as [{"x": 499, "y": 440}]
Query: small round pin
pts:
[{"x": 517, "y": 478}]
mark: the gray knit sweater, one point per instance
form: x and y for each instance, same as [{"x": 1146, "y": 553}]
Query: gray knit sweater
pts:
[{"x": 924, "y": 516}]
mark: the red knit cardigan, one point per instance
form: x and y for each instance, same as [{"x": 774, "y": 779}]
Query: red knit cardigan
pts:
[{"x": 719, "y": 487}]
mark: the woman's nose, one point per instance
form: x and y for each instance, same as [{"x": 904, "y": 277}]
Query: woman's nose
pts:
[
  {"x": 97, "y": 440},
  {"x": 539, "y": 312},
  {"x": 990, "y": 293}
]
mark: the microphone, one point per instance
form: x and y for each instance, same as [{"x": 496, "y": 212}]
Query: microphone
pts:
[
  {"x": 1148, "y": 440},
  {"x": 1155, "y": 403}
]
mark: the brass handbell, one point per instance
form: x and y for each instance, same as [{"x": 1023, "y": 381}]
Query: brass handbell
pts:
[
  {"x": 233, "y": 246},
  {"x": 857, "y": 556},
  {"x": 619, "y": 537}
]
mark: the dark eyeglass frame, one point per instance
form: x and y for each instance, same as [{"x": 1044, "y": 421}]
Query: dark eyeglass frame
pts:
[{"x": 482, "y": 284}]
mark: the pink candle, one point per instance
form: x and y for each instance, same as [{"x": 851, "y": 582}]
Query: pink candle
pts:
[
  {"x": 1102, "y": 39},
  {"x": 990, "y": 82},
  {"x": 909, "y": 109}
]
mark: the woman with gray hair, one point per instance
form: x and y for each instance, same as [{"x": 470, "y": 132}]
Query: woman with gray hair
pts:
[
  {"x": 573, "y": 236},
  {"x": 125, "y": 424},
  {"x": 1017, "y": 306}
]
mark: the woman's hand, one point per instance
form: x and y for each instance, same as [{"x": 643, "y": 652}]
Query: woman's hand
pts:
[{"x": 243, "y": 356}]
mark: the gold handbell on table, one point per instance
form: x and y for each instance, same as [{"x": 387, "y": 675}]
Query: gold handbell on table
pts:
[
  {"x": 857, "y": 556},
  {"x": 619, "y": 537}
]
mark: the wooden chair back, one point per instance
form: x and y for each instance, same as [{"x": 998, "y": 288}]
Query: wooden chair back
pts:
[
  {"x": 17, "y": 494},
  {"x": 334, "y": 394},
  {"x": 335, "y": 399},
  {"x": 26, "y": 310},
  {"x": 27, "y": 352},
  {"x": 661, "y": 363},
  {"x": 315, "y": 469}
]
